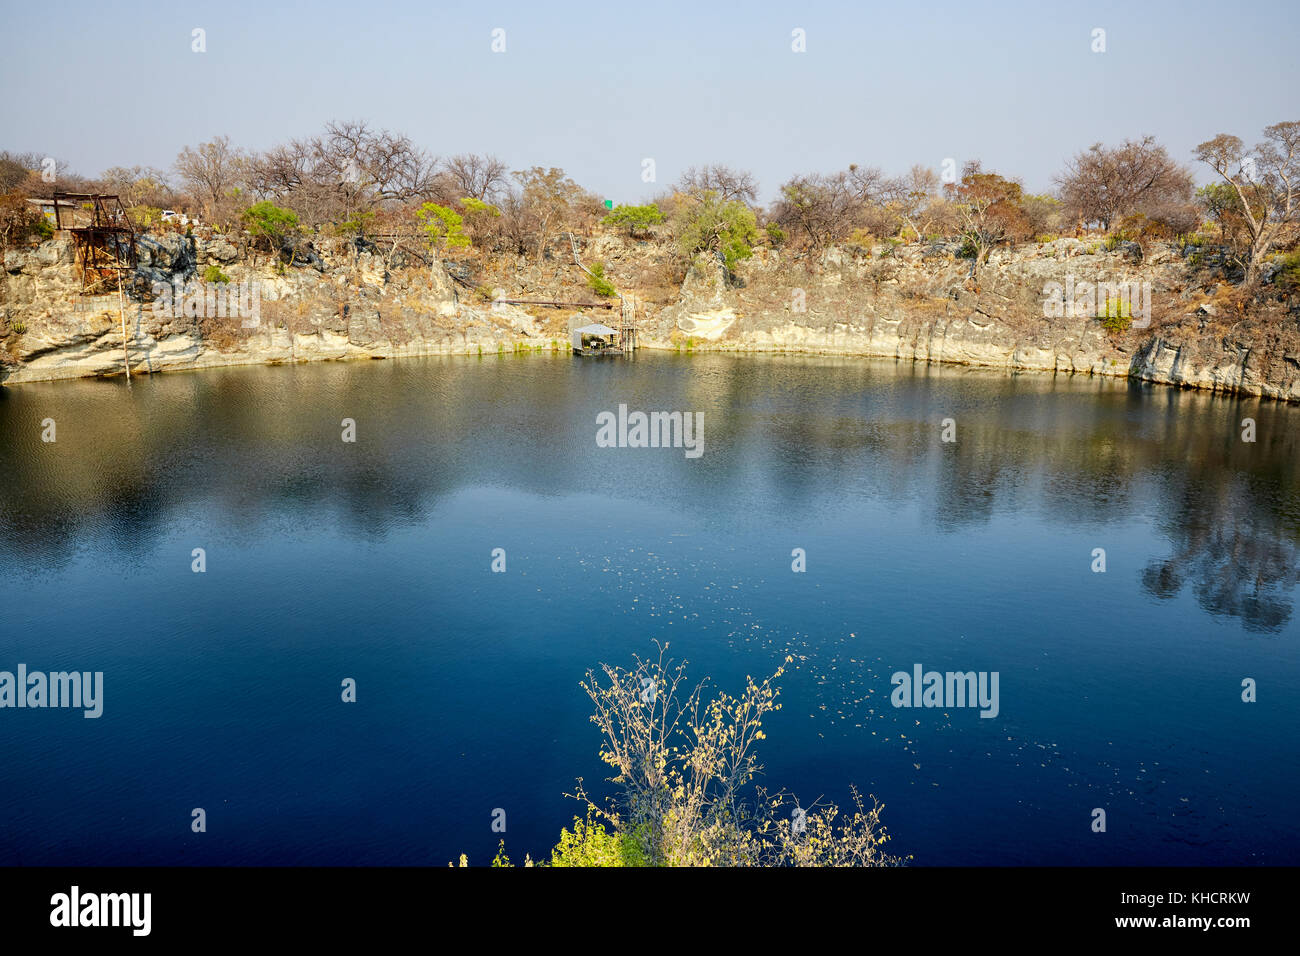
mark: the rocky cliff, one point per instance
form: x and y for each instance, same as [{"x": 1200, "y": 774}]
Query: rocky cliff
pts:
[
  {"x": 917, "y": 302},
  {"x": 344, "y": 303},
  {"x": 921, "y": 303}
]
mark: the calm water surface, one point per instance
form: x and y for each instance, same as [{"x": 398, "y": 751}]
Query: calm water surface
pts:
[{"x": 328, "y": 560}]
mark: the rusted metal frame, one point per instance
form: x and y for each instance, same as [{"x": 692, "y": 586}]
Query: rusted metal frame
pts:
[{"x": 108, "y": 245}]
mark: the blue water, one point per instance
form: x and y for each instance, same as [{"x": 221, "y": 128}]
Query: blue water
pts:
[{"x": 328, "y": 560}]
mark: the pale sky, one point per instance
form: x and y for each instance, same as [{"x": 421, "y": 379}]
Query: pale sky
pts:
[{"x": 598, "y": 88}]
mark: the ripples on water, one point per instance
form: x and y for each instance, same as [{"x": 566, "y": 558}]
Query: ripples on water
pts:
[{"x": 370, "y": 560}]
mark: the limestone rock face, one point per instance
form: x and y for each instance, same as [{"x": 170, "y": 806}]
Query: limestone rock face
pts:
[
  {"x": 220, "y": 250},
  {"x": 708, "y": 326},
  {"x": 913, "y": 302},
  {"x": 703, "y": 309},
  {"x": 442, "y": 294},
  {"x": 53, "y": 252},
  {"x": 922, "y": 303},
  {"x": 344, "y": 305},
  {"x": 1221, "y": 366}
]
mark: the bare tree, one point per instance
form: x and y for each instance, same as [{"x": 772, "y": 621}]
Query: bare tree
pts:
[
  {"x": 514, "y": 227},
  {"x": 723, "y": 181},
  {"x": 820, "y": 208},
  {"x": 363, "y": 168},
  {"x": 1265, "y": 181},
  {"x": 548, "y": 202},
  {"x": 1103, "y": 185},
  {"x": 989, "y": 206},
  {"x": 26, "y": 171},
  {"x": 279, "y": 171},
  {"x": 877, "y": 199},
  {"x": 869, "y": 185},
  {"x": 286, "y": 175},
  {"x": 919, "y": 190},
  {"x": 348, "y": 170},
  {"x": 15, "y": 169},
  {"x": 18, "y": 218},
  {"x": 1045, "y": 216},
  {"x": 392, "y": 166},
  {"x": 826, "y": 209},
  {"x": 480, "y": 177},
  {"x": 211, "y": 171},
  {"x": 137, "y": 186}
]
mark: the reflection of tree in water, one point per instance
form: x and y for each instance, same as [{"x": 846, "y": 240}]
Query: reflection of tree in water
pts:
[
  {"x": 1233, "y": 550},
  {"x": 261, "y": 449}
]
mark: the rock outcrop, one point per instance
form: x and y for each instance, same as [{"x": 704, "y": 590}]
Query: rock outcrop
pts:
[
  {"x": 917, "y": 302},
  {"x": 922, "y": 304},
  {"x": 350, "y": 306}
]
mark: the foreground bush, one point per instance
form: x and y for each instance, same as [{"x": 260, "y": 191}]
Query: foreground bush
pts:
[{"x": 684, "y": 767}]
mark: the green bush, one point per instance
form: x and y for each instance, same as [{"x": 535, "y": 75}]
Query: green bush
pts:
[
  {"x": 479, "y": 207},
  {"x": 1288, "y": 280},
  {"x": 358, "y": 224},
  {"x": 590, "y": 844},
  {"x": 716, "y": 225},
  {"x": 214, "y": 274},
  {"x": 270, "y": 224},
  {"x": 599, "y": 284},
  {"x": 1116, "y": 317},
  {"x": 442, "y": 225},
  {"x": 775, "y": 234},
  {"x": 635, "y": 218}
]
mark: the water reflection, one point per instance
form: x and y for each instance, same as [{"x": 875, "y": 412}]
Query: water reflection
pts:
[{"x": 260, "y": 449}]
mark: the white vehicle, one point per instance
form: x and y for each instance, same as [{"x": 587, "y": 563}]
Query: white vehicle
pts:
[{"x": 168, "y": 214}]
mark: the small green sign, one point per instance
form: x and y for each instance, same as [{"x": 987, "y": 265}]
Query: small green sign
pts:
[{"x": 609, "y": 204}]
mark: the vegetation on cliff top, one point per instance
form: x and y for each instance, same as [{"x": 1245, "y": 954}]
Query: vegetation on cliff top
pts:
[{"x": 356, "y": 181}]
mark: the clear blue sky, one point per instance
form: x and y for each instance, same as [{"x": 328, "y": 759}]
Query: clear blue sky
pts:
[{"x": 596, "y": 88}]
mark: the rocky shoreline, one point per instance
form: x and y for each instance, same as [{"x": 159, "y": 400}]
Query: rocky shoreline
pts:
[{"x": 916, "y": 303}]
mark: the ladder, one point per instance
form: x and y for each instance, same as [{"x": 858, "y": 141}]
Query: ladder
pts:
[{"x": 627, "y": 310}]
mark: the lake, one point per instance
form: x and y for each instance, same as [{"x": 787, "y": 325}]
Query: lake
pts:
[{"x": 371, "y": 560}]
